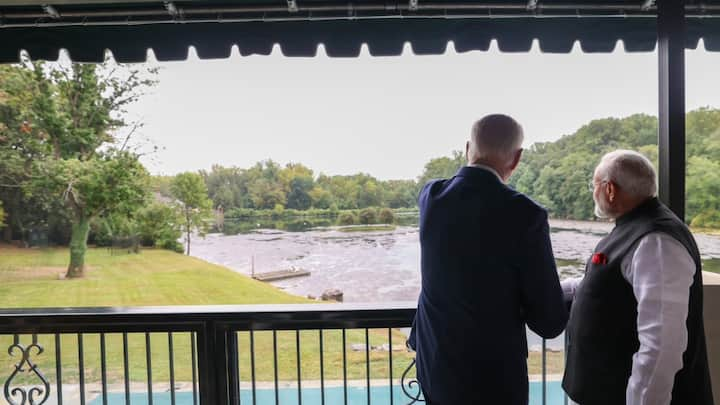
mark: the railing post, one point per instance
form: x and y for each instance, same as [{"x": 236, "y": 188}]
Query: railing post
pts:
[
  {"x": 233, "y": 370},
  {"x": 213, "y": 364}
]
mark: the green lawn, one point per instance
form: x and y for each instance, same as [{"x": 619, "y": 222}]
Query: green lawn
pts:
[
  {"x": 153, "y": 277},
  {"x": 712, "y": 265},
  {"x": 30, "y": 278}
]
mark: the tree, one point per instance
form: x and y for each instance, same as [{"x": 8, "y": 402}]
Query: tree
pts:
[
  {"x": 703, "y": 186},
  {"x": 442, "y": 168},
  {"x": 371, "y": 194},
  {"x": 190, "y": 191},
  {"x": 2, "y": 216},
  {"x": 401, "y": 193},
  {"x": 344, "y": 190},
  {"x": 59, "y": 130},
  {"x": 21, "y": 144},
  {"x": 265, "y": 185},
  {"x": 227, "y": 187},
  {"x": 299, "y": 196},
  {"x": 112, "y": 183},
  {"x": 555, "y": 173},
  {"x": 321, "y": 198}
]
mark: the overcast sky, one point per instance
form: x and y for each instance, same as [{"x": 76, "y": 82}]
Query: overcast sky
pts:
[{"x": 388, "y": 116}]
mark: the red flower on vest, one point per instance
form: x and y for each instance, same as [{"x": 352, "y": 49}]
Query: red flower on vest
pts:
[{"x": 599, "y": 258}]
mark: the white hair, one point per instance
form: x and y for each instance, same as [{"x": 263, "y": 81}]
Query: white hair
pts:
[
  {"x": 496, "y": 135},
  {"x": 630, "y": 171}
]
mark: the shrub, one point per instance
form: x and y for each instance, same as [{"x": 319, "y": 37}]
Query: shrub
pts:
[
  {"x": 707, "y": 219},
  {"x": 386, "y": 216},
  {"x": 293, "y": 213},
  {"x": 100, "y": 233},
  {"x": 159, "y": 225},
  {"x": 278, "y": 211},
  {"x": 105, "y": 231},
  {"x": 368, "y": 216},
  {"x": 173, "y": 245},
  {"x": 346, "y": 218}
]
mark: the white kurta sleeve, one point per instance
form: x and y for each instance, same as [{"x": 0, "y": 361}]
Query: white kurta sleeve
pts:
[
  {"x": 661, "y": 272},
  {"x": 569, "y": 286}
]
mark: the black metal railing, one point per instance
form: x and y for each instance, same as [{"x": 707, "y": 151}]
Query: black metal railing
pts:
[{"x": 265, "y": 354}]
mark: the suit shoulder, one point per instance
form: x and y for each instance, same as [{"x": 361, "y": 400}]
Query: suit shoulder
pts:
[
  {"x": 523, "y": 203},
  {"x": 433, "y": 185}
]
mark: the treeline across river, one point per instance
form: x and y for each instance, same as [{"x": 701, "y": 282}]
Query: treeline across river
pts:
[
  {"x": 366, "y": 219},
  {"x": 555, "y": 174}
]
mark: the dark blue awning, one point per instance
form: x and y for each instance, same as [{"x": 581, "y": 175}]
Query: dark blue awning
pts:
[{"x": 87, "y": 31}]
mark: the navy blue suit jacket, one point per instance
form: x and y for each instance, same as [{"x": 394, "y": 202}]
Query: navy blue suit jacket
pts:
[{"x": 487, "y": 271}]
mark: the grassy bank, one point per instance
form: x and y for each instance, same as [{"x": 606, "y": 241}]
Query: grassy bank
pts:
[
  {"x": 565, "y": 262},
  {"x": 707, "y": 231},
  {"x": 155, "y": 277},
  {"x": 367, "y": 228},
  {"x": 712, "y": 265}
]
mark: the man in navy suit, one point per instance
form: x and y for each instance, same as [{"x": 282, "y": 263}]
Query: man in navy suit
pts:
[{"x": 487, "y": 271}]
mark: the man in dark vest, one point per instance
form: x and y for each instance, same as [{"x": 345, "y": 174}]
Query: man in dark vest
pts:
[
  {"x": 636, "y": 334},
  {"x": 487, "y": 271}
]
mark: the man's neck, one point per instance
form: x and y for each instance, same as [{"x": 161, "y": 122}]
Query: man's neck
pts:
[
  {"x": 488, "y": 167},
  {"x": 636, "y": 206}
]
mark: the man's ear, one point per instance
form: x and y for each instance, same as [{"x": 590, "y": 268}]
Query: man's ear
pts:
[
  {"x": 612, "y": 190},
  {"x": 516, "y": 159}
]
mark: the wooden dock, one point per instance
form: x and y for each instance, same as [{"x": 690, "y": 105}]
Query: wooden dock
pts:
[{"x": 280, "y": 274}]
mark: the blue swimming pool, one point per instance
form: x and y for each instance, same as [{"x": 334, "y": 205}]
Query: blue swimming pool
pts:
[{"x": 311, "y": 396}]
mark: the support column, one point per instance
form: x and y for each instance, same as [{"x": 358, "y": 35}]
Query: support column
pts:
[{"x": 671, "y": 114}]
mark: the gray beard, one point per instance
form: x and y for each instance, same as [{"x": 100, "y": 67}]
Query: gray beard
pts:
[{"x": 599, "y": 212}]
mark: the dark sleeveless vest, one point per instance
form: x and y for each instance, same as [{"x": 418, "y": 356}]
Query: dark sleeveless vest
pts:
[{"x": 602, "y": 330}]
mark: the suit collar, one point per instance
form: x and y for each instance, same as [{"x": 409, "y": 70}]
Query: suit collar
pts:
[
  {"x": 479, "y": 172},
  {"x": 488, "y": 168}
]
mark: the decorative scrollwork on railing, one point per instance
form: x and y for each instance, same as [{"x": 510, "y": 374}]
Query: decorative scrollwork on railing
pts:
[
  {"x": 409, "y": 387},
  {"x": 21, "y": 395}
]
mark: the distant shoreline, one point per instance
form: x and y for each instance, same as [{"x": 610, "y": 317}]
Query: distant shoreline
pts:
[{"x": 606, "y": 226}]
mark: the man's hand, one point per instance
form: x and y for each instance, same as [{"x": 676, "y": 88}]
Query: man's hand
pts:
[{"x": 569, "y": 287}]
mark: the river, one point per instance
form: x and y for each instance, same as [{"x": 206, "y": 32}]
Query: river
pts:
[
  {"x": 376, "y": 266},
  {"x": 381, "y": 266}
]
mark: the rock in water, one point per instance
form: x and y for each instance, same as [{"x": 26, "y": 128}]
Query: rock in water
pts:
[{"x": 332, "y": 294}]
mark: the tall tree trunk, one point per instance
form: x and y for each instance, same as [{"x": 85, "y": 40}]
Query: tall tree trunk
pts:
[{"x": 78, "y": 247}]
